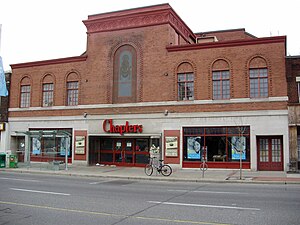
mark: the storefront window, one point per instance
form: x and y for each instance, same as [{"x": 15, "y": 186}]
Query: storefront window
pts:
[
  {"x": 222, "y": 144},
  {"x": 50, "y": 144},
  {"x": 142, "y": 145}
]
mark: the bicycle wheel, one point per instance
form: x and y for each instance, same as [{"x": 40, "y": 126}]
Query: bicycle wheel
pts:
[
  {"x": 148, "y": 169},
  {"x": 203, "y": 166},
  {"x": 166, "y": 170}
]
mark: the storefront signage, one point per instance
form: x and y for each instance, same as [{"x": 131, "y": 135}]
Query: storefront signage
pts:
[
  {"x": 79, "y": 145},
  {"x": 109, "y": 127},
  {"x": 171, "y": 146}
]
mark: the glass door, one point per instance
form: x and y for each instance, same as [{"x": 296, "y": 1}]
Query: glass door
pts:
[
  {"x": 123, "y": 151},
  {"x": 270, "y": 153}
]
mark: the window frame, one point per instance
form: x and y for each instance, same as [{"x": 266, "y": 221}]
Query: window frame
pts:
[
  {"x": 186, "y": 83},
  {"x": 72, "y": 92},
  {"x": 48, "y": 95},
  {"x": 221, "y": 80},
  {"x": 25, "y": 96},
  {"x": 259, "y": 79}
]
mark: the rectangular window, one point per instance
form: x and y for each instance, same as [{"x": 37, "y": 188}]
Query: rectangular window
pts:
[
  {"x": 25, "y": 96},
  {"x": 221, "y": 85},
  {"x": 186, "y": 86},
  {"x": 298, "y": 86},
  {"x": 47, "y": 95},
  {"x": 221, "y": 143},
  {"x": 259, "y": 86},
  {"x": 72, "y": 93},
  {"x": 264, "y": 150}
]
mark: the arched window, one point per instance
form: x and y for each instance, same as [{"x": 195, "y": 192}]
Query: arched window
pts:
[
  {"x": 185, "y": 82},
  {"x": 258, "y": 75},
  {"x": 25, "y": 90},
  {"x": 48, "y": 88},
  {"x": 72, "y": 89},
  {"x": 221, "y": 80},
  {"x": 125, "y": 75}
]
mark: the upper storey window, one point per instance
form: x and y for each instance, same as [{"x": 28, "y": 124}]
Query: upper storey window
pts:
[
  {"x": 221, "y": 79},
  {"x": 185, "y": 86},
  {"x": 48, "y": 89},
  {"x": 258, "y": 75},
  {"x": 25, "y": 90},
  {"x": 47, "y": 95},
  {"x": 125, "y": 75},
  {"x": 185, "y": 81},
  {"x": 221, "y": 84},
  {"x": 72, "y": 89}
]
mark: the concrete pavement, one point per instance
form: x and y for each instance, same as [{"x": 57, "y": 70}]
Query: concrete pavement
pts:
[{"x": 187, "y": 175}]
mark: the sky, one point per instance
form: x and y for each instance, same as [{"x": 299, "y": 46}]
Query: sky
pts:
[{"x": 35, "y": 30}]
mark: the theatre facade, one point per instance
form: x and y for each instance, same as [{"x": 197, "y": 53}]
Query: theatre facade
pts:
[{"x": 146, "y": 83}]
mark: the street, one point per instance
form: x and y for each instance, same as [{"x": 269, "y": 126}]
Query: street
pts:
[{"x": 27, "y": 199}]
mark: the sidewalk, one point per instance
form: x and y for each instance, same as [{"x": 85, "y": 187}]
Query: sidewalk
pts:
[{"x": 187, "y": 175}]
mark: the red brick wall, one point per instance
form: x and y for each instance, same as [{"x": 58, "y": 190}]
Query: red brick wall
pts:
[
  {"x": 293, "y": 71},
  {"x": 157, "y": 69}
]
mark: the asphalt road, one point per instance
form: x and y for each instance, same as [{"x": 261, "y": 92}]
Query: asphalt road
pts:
[{"x": 28, "y": 199}]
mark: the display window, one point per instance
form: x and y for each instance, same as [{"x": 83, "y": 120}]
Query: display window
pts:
[
  {"x": 216, "y": 144},
  {"x": 49, "y": 145}
]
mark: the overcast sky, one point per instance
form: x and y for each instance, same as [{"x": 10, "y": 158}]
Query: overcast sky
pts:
[{"x": 34, "y": 30}]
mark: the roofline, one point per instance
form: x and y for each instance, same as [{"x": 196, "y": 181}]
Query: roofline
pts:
[
  {"x": 233, "y": 43},
  {"x": 227, "y": 30},
  {"x": 293, "y": 57},
  {"x": 123, "y": 12},
  {"x": 49, "y": 62}
]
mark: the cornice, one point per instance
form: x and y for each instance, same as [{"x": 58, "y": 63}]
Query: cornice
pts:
[
  {"x": 223, "y": 44},
  {"x": 49, "y": 62},
  {"x": 137, "y": 18}
]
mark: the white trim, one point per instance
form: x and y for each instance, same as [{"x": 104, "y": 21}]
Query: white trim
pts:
[
  {"x": 147, "y": 104},
  {"x": 155, "y": 116}
]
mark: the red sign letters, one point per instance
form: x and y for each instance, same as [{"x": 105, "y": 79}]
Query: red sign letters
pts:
[{"x": 108, "y": 127}]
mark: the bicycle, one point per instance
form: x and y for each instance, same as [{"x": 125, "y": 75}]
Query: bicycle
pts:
[{"x": 164, "y": 169}]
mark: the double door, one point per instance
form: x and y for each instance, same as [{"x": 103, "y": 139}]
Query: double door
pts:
[
  {"x": 270, "y": 153},
  {"x": 124, "y": 151}
]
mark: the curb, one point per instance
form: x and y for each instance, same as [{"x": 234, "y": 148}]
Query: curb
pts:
[{"x": 248, "y": 180}]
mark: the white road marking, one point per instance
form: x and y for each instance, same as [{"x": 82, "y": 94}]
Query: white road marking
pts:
[
  {"x": 42, "y": 192},
  {"x": 204, "y": 206},
  {"x": 211, "y": 192},
  {"x": 7, "y": 178}
]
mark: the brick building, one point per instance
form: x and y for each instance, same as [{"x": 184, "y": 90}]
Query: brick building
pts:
[
  {"x": 293, "y": 79},
  {"x": 4, "y": 102},
  {"x": 147, "y": 81}
]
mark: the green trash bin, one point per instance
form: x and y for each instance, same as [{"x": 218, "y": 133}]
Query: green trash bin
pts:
[
  {"x": 13, "y": 161},
  {"x": 2, "y": 160}
]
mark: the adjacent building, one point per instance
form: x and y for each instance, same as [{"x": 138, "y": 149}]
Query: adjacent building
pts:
[
  {"x": 293, "y": 79},
  {"x": 145, "y": 82}
]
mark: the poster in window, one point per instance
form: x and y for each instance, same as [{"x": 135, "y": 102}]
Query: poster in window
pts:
[
  {"x": 36, "y": 146},
  {"x": 171, "y": 147},
  {"x": 79, "y": 145},
  {"x": 238, "y": 146},
  {"x": 64, "y": 143},
  {"x": 194, "y": 147}
]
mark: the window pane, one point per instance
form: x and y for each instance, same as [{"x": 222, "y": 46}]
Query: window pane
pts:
[
  {"x": 264, "y": 150},
  {"x": 185, "y": 86},
  {"x": 216, "y": 75},
  {"x": 72, "y": 93},
  {"x": 25, "y": 96},
  {"x": 47, "y": 94}
]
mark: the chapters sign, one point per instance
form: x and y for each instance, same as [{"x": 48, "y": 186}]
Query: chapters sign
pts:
[{"x": 109, "y": 127}]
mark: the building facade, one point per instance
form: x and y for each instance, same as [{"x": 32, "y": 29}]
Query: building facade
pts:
[
  {"x": 145, "y": 82},
  {"x": 4, "y": 102},
  {"x": 293, "y": 79}
]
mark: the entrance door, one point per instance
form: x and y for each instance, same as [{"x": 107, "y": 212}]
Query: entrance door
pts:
[
  {"x": 269, "y": 153},
  {"x": 123, "y": 151}
]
